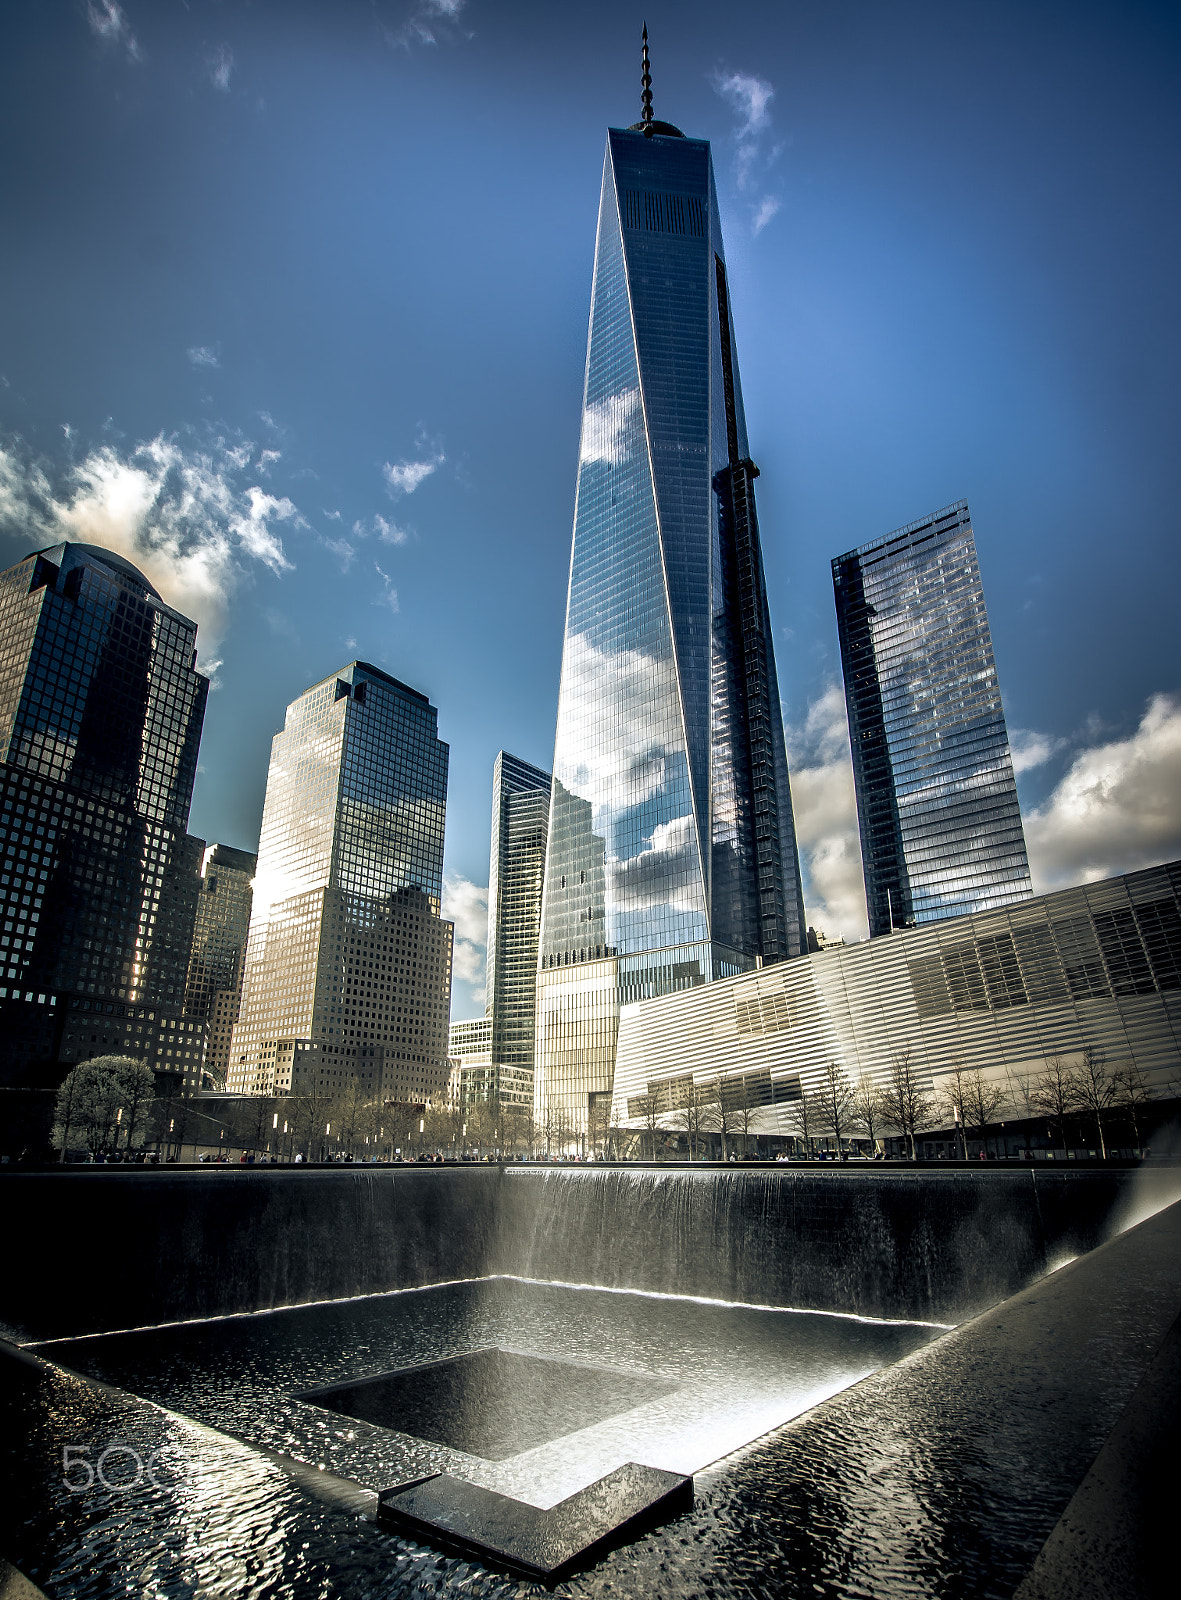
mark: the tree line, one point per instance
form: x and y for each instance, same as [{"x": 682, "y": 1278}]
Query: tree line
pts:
[
  {"x": 837, "y": 1108},
  {"x": 116, "y": 1106}
]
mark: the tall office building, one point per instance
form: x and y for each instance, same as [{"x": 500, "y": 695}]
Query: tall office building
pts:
[
  {"x": 672, "y": 857},
  {"x": 348, "y": 963},
  {"x": 520, "y": 824},
  {"x": 937, "y": 803},
  {"x": 101, "y": 710},
  {"x": 214, "y": 985}
]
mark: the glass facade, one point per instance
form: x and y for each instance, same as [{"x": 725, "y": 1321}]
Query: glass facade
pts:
[
  {"x": 214, "y": 985},
  {"x": 520, "y": 827},
  {"x": 101, "y": 711},
  {"x": 937, "y": 806},
  {"x": 348, "y": 963},
  {"x": 671, "y": 857}
]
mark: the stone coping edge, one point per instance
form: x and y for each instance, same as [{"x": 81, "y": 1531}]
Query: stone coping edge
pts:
[{"x": 546, "y": 1546}]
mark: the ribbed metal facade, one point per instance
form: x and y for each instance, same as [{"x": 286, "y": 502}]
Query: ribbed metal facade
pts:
[{"x": 1098, "y": 966}]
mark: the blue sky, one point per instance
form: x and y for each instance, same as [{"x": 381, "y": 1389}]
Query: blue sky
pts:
[{"x": 294, "y": 314}]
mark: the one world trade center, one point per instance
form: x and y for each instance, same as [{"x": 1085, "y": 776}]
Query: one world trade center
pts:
[{"x": 672, "y": 856}]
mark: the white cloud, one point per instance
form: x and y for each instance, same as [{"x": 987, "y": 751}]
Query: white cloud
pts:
[
  {"x": 622, "y": 694},
  {"x": 421, "y": 23},
  {"x": 825, "y": 807},
  {"x": 203, "y": 355},
  {"x": 253, "y": 526},
  {"x": 605, "y": 427},
  {"x": 177, "y": 512},
  {"x": 342, "y": 550},
  {"x": 403, "y": 477},
  {"x": 1117, "y": 808},
  {"x": 108, "y": 22},
  {"x": 389, "y": 532},
  {"x": 381, "y": 528},
  {"x": 764, "y": 211},
  {"x": 389, "y": 595},
  {"x": 1030, "y": 749},
  {"x": 466, "y": 904},
  {"x": 267, "y": 459},
  {"x": 749, "y": 98},
  {"x": 221, "y": 66}
]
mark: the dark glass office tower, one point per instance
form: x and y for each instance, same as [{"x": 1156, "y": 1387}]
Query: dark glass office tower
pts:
[
  {"x": 213, "y": 987},
  {"x": 672, "y": 856},
  {"x": 100, "y": 720},
  {"x": 937, "y": 807},
  {"x": 520, "y": 827}
]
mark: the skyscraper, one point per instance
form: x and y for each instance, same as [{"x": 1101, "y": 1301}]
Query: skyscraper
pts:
[
  {"x": 672, "y": 857},
  {"x": 348, "y": 964},
  {"x": 520, "y": 824},
  {"x": 937, "y": 807},
  {"x": 213, "y": 987},
  {"x": 101, "y": 710}
]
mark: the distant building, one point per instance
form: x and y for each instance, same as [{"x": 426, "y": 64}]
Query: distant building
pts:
[
  {"x": 470, "y": 1051},
  {"x": 1097, "y": 967},
  {"x": 937, "y": 807},
  {"x": 101, "y": 709},
  {"x": 214, "y": 985},
  {"x": 348, "y": 963},
  {"x": 520, "y": 824}
]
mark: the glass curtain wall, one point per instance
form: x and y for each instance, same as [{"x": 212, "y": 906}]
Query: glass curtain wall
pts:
[
  {"x": 937, "y": 805},
  {"x": 652, "y": 867}
]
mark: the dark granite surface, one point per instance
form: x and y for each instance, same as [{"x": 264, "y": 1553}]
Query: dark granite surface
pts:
[{"x": 539, "y": 1544}]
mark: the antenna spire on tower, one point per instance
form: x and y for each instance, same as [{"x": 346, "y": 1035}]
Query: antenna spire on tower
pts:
[{"x": 646, "y": 84}]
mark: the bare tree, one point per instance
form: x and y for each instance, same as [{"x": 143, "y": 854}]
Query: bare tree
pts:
[
  {"x": 481, "y": 1124},
  {"x": 647, "y": 1107},
  {"x": 598, "y": 1123},
  {"x": 744, "y": 1106},
  {"x": 835, "y": 1098},
  {"x": 803, "y": 1118},
  {"x": 369, "y": 1129},
  {"x": 867, "y": 1108},
  {"x": 400, "y": 1118},
  {"x": 522, "y": 1128},
  {"x": 1132, "y": 1094},
  {"x": 310, "y": 1108},
  {"x": 905, "y": 1100},
  {"x": 953, "y": 1091},
  {"x": 983, "y": 1098},
  {"x": 716, "y": 1112},
  {"x": 555, "y": 1126},
  {"x": 1021, "y": 1093},
  {"x": 695, "y": 1111},
  {"x": 1095, "y": 1091},
  {"x": 1054, "y": 1094}
]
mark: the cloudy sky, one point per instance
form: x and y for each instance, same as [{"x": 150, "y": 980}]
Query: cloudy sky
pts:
[{"x": 294, "y": 314}]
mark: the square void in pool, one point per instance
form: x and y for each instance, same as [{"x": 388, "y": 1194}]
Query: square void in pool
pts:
[{"x": 491, "y": 1403}]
